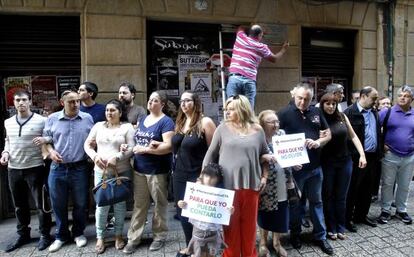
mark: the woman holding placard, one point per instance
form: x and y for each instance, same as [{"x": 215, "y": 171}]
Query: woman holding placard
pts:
[
  {"x": 237, "y": 145},
  {"x": 193, "y": 134},
  {"x": 273, "y": 205},
  {"x": 337, "y": 166}
]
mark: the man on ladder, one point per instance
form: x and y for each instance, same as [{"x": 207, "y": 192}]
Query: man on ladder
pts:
[{"x": 248, "y": 52}]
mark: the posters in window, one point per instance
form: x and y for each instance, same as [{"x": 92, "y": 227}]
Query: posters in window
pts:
[
  {"x": 188, "y": 63},
  {"x": 201, "y": 83},
  {"x": 44, "y": 93},
  {"x": 67, "y": 83},
  {"x": 167, "y": 78},
  {"x": 13, "y": 85}
]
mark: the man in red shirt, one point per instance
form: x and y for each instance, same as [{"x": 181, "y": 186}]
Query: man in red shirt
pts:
[{"x": 248, "y": 52}]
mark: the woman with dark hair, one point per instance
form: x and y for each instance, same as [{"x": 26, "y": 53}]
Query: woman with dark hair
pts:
[
  {"x": 108, "y": 136},
  {"x": 152, "y": 162},
  {"x": 337, "y": 166},
  {"x": 193, "y": 134}
]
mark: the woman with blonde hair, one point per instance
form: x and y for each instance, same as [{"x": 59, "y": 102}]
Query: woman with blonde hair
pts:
[
  {"x": 237, "y": 145},
  {"x": 193, "y": 134}
]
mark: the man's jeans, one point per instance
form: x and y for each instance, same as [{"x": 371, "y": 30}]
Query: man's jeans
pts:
[
  {"x": 336, "y": 180},
  {"x": 398, "y": 170},
  {"x": 65, "y": 180},
  {"x": 240, "y": 85},
  {"x": 310, "y": 183}
]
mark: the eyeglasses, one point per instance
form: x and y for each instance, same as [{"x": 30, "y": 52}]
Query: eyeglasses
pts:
[
  {"x": 272, "y": 122},
  {"x": 185, "y": 101}
]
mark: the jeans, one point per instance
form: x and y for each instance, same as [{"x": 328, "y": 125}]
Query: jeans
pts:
[
  {"x": 240, "y": 85},
  {"x": 101, "y": 213},
  {"x": 397, "y": 170},
  {"x": 179, "y": 185},
  {"x": 336, "y": 180},
  {"x": 310, "y": 183},
  {"x": 65, "y": 180},
  {"x": 22, "y": 183}
]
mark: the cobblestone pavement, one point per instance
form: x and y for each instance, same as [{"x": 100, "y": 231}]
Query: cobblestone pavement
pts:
[{"x": 393, "y": 239}]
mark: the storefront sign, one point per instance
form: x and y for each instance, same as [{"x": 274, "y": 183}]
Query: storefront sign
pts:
[
  {"x": 208, "y": 204},
  {"x": 67, "y": 83},
  {"x": 290, "y": 150}
]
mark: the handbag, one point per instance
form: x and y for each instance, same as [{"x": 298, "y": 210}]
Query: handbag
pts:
[
  {"x": 294, "y": 194},
  {"x": 112, "y": 190}
]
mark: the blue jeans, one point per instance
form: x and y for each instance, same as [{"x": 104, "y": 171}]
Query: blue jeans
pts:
[
  {"x": 63, "y": 181},
  {"x": 240, "y": 85},
  {"x": 399, "y": 170},
  {"x": 336, "y": 180},
  {"x": 310, "y": 183}
]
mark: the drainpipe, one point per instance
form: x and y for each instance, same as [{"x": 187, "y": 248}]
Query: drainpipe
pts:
[{"x": 389, "y": 18}]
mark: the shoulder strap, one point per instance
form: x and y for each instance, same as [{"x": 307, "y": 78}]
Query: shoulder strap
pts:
[{"x": 385, "y": 122}]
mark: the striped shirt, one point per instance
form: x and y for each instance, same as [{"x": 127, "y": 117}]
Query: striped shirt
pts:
[
  {"x": 247, "y": 55},
  {"x": 23, "y": 153}
]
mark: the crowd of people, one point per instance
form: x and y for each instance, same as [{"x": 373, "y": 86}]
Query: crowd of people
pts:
[
  {"x": 353, "y": 152},
  {"x": 347, "y": 150}
]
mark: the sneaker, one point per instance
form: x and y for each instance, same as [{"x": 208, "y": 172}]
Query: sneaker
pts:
[
  {"x": 384, "y": 217},
  {"x": 81, "y": 241},
  {"x": 56, "y": 245},
  {"x": 129, "y": 248},
  {"x": 404, "y": 217},
  {"x": 156, "y": 245}
]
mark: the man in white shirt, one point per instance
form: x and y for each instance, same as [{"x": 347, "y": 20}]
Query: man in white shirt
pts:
[{"x": 27, "y": 173}]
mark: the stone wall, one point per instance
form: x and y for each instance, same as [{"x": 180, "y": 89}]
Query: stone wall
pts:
[{"x": 114, "y": 45}]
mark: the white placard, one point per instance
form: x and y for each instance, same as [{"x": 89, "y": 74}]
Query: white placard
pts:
[
  {"x": 290, "y": 150},
  {"x": 208, "y": 204}
]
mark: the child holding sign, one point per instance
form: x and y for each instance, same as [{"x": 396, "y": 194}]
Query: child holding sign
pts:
[{"x": 207, "y": 237}]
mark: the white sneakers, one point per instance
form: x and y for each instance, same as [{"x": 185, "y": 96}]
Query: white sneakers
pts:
[
  {"x": 56, "y": 245},
  {"x": 80, "y": 241}
]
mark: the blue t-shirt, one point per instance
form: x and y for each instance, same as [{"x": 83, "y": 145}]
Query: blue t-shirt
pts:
[
  {"x": 152, "y": 164},
  {"x": 97, "y": 111}
]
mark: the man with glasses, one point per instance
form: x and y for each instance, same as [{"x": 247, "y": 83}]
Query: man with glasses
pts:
[
  {"x": 88, "y": 91},
  {"x": 398, "y": 161},
  {"x": 248, "y": 52},
  {"x": 27, "y": 174},
  {"x": 338, "y": 91},
  {"x": 69, "y": 174}
]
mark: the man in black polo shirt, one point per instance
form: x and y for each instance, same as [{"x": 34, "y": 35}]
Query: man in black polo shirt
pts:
[{"x": 300, "y": 117}]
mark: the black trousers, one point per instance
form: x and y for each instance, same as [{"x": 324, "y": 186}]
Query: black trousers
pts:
[
  {"x": 179, "y": 183},
  {"x": 23, "y": 183},
  {"x": 361, "y": 187}
]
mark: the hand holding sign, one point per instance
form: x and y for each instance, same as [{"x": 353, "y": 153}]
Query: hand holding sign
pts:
[
  {"x": 290, "y": 150},
  {"x": 208, "y": 204}
]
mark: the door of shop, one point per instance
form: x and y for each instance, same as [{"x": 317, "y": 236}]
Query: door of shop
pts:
[
  {"x": 38, "y": 51},
  {"x": 328, "y": 57}
]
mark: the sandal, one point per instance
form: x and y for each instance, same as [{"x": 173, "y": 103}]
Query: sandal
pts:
[
  {"x": 263, "y": 251},
  {"x": 280, "y": 251},
  {"x": 119, "y": 243},
  {"x": 100, "y": 247},
  {"x": 332, "y": 236},
  {"x": 342, "y": 236}
]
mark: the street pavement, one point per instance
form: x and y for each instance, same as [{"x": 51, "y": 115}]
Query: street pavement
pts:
[{"x": 393, "y": 239}]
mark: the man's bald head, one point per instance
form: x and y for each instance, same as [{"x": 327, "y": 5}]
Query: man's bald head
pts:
[{"x": 255, "y": 31}]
